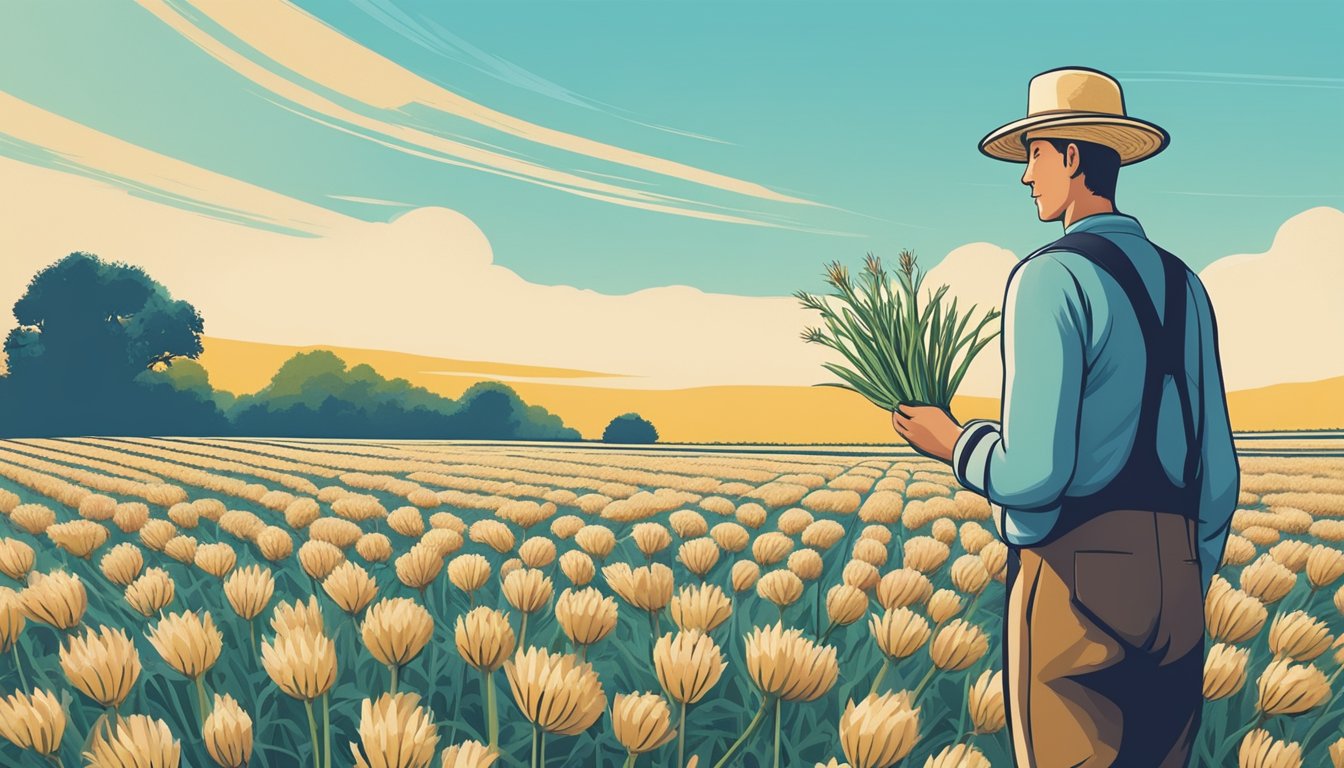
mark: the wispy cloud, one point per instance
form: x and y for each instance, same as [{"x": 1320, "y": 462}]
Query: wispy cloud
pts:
[
  {"x": 434, "y": 37},
  {"x": 355, "y": 73},
  {"x": 1256, "y": 195},
  {"x": 1229, "y": 78},
  {"x": 41, "y": 138}
]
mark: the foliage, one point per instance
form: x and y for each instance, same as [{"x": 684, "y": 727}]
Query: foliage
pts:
[
  {"x": 87, "y": 332},
  {"x": 898, "y": 353},
  {"x": 630, "y": 428},
  {"x": 103, "y": 349}
]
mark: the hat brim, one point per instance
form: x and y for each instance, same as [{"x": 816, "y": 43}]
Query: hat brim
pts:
[{"x": 1134, "y": 139}]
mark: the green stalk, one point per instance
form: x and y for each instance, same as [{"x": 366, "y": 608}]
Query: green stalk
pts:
[
  {"x": 1325, "y": 712},
  {"x": 492, "y": 716},
  {"x": 522, "y": 633},
  {"x": 542, "y": 764},
  {"x": 965, "y": 704},
  {"x": 312, "y": 731},
  {"x": 751, "y": 727},
  {"x": 18, "y": 664},
  {"x": 326, "y": 728},
  {"x": 920, "y": 688},
  {"x": 629, "y": 761},
  {"x": 886, "y": 664},
  {"x": 825, "y": 635},
  {"x": 533, "y": 761},
  {"x": 200, "y": 698},
  {"x": 777, "y": 707},
  {"x": 394, "y": 669},
  {"x": 681, "y": 736}
]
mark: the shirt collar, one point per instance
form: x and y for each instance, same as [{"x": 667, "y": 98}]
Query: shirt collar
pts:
[{"x": 1107, "y": 222}]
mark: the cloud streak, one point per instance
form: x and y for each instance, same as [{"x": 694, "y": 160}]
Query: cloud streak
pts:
[{"x": 357, "y": 74}]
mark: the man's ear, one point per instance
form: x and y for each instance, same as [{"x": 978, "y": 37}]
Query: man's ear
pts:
[{"x": 1071, "y": 151}]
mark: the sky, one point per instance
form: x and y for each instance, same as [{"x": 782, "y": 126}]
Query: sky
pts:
[{"x": 616, "y": 147}]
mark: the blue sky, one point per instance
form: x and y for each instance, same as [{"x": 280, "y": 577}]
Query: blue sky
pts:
[{"x": 870, "y": 110}]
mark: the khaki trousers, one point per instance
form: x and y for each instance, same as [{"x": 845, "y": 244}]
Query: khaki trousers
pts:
[{"x": 1104, "y": 644}]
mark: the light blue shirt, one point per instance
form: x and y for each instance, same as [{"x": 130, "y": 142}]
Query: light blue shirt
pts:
[{"x": 1071, "y": 393}]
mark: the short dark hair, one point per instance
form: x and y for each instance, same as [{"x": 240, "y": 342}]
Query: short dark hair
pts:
[{"x": 1099, "y": 164}]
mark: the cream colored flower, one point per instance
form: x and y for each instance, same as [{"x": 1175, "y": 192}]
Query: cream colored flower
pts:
[
  {"x": 879, "y": 731},
  {"x": 137, "y": 741},
  {"x": 395, "y": 732},
  {"x": 641, "y": 722},
  {"x": 102, "y": 664},
  {"x": 228, "y": 733},
  {"x": 188, "y": 642},
  {"x": 687, "y": 664}
]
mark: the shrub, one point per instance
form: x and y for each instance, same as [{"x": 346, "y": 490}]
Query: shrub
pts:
[{"x": 630, "y": 428}]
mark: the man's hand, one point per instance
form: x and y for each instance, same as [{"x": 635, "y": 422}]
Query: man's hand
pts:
[{"x": 928, "y": 429}]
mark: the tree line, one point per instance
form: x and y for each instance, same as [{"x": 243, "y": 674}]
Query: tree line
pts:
[{"x": 102, "y": 348}]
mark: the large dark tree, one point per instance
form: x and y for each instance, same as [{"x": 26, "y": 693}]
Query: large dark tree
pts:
[{"x": 87, "y": 331}]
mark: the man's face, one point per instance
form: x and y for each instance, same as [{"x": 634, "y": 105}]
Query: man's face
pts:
[{"x": 1048, "y": 176}]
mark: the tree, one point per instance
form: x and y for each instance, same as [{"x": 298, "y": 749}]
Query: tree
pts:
[
  {"x": 87, "y": 331},
  {"x": 630, "y": 428},
  {"x": 314, "y": 395}
]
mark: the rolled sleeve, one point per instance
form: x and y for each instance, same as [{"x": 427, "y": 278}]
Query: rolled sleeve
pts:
[{"x": 970, "y": 455}]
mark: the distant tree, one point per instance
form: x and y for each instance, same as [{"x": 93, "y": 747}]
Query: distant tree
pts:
[
  {"x": 630, "y": 428},
  {"x": 87, "y": 331},
  {"x": 497, "y": 406},
  {"x": 314, "y": 395}
]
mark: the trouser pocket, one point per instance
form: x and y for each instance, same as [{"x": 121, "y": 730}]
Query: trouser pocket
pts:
[{"x": 1120, "y": 591}]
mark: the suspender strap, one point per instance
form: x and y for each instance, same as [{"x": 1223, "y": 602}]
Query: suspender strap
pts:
[{"x": 1164, "y": 338}]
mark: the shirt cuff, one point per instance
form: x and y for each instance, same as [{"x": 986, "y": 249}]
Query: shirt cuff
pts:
[{"x": 970, "y": 454}]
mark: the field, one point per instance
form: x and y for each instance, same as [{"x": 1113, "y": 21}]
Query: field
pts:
[{"x": 231, "y": 602}]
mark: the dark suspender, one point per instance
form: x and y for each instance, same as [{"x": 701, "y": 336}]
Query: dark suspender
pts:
[{"x": 1142, "y": 482}]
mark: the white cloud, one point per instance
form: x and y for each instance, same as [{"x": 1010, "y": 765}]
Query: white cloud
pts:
[
  {"x": 422, "y": 283},
  {"x": 426, "y": 283},
  {"x": 1279, "y": 312}
]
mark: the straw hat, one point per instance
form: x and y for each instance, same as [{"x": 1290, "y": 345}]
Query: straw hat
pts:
[{"x": 1076, "y": 103}]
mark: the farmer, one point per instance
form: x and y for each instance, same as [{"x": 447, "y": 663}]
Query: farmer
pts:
[{"x": 1111, "y": 475}]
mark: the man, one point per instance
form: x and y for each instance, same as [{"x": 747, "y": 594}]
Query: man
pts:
[{"x": 1112, "y": 474}]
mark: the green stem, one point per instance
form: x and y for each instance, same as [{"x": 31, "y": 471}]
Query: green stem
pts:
[
  {"x": 18, "y": 664},
  {"x": 970, "y": 609},
  {"x": 533, "y": 761},
  {"x": 522, "y": 633},
  {"x": 886, "y": 663},
  {"x": 751, "y": 727},
  {"x": 1320, "y": 720},
  {"x": 542, "y": 764},
  {"x": 629, "y": 761},
  {"x": 965, "y": 704},
  {"x": 312, "y": 731},
  {"x": 252, "y": 637},
  {"x": 55, "y": 760},
  {"x": 200, "y": 698},
  {"x": 492, "y": 716},
  {"x": 393, "y": 668},
  {"x": 1257, "y": 719},
  {"x": 919, "y": 688},
  {"x": 326, "y": 728},
  {"x": 777, "y": 718},
  {"x": 825, "y": 635},
  {"x": 681, "y": 737}
]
